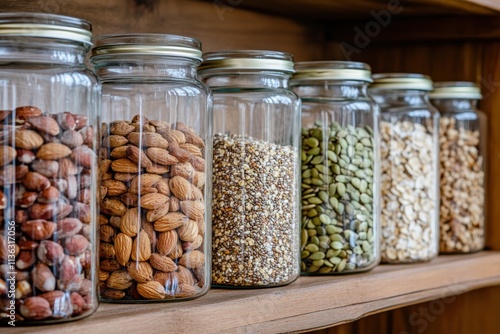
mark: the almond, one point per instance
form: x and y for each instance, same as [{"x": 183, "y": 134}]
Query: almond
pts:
[
  {"x": 35, "y": 181},
  {"x": 25, "y": 199},
  {"x": 48, "y": 168},
  {"x": 157, "y": 169},
  {"x": 28, "y": 139},
  {"x": 155, "y": 214},
  {"x": 141, "y": 247},
  {"x": 192, "y": 149},
  {"x": 25, "y": 156},
  {"x": 113, "y": 141},
  {"x": 197, "y": 194},
  {"x": 39, "y": 229},
  {"x": 8, "y": 175},
  {"x": 162, "y": 263},
  {"x": 161, "y": 156},
  {"x": 170, "y": 221},
  {"x": 76, "y": 244},
  {"x": 53, "y": 151},
  {"x": 60, "y": 302},
  {"x": 159, "y": 123},
  {"x": 104, "y": 165},
  {"x": 123, "y": 248},
  {"x": 124, "y": 165},
  {"x": 138, "y": 156},
  {"x": 167, "y": 242},
  {"x": 198, "y": 163},
  {"x": 163, "y": 187},
  {"x": 109, "y": 265},
  {"x": 177, "y": 252},
  {"x": 26, "y": 112},
  {"x": 192, "y": 259},
  {"x": 121, "y": 128},
  {"x": 188, "y": 231},
  {"x": 129, "y": 199},
  {"x": 45, "y": 124},
  {"x": 25, "y": 259},
  {"x": 172, "y": 135},
  {"x": 107, "y": 251},
  {"x": 182, "y": 169},
  {"x": 141, "y": 119},
  {"x": 185, "y": 291},
  {"x": 194, "y": 139},
  {"x": 143, "y": 127},
  {"x": 49, "y": 195},
  {"x": 119, "y": 152},
  {"x": 151, "y": 290},
  {"x": 192, "y": 245},
  {"x": 115, "y": 188},
  {"x": 78, "y": 303},
  {"x": 106, "y": 233},
  {"x": 153, "y": 201},
  {"x": 147, "y": 139},
  {"x": 124, "y": 177},
  {"x": 65, "y": 120},
  {"x": 130, "y": 222},
  {"x": 174, "y": 204},
  {"x": 141, "y": 272},
  {"x": 149, "y": 229},
  {"x": 113, "y": 207},
  {"x": 43, "y": 278},
  {"x": 112, "y": 294},
  {"x": 193, "y": 209},
  {"x": 145, "y": 180},
  {"x": 7, "y": 155},
  {"x": 36, "y": 308},
  {"x": 84, "y": 156},
  {"x": 80, "y": 121},
  {"x": 180, "y": 188},
  {"x": 119, "y": 280},
  {"x": 50, "y": 252},
  {"x": 185, "y": 275},
  {"x": 72, "y": 138},
  {"x": 181, "y": 154}
]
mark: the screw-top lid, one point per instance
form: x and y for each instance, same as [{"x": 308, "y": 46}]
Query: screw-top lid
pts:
[
  {"x": 401, "y": 81},
  {"x": 332, "y": 70},
  {"x": 146, "y": 44},
  {"x": 45, "y": 26},
  {"x": 259, "y": 60},
  {"x": 455, "y": 90}
]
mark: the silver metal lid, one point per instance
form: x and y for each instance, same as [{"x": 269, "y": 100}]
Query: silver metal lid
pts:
[
  {"x": 45, "y": 26},
  {"x": 332, "y": 70},
  {"x": 147, "y": 44},
  {"x": 247, "y": 60},
  {"x": 456, "y": 90},
  {"x": 401, "y": 81}
]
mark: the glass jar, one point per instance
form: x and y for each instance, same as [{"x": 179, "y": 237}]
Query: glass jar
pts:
[
  {"x": 340, "y": 228},
  {"x": 155, "y": 195},
  {"x": 409, "y": 169},
  {"x": 255, "y": 221},
  {"x": 48, "y": 167},
  {"x": 462, "y": 153}
]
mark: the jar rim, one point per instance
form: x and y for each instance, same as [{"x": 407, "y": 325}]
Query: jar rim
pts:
[
  {"x": 265, "y": 60},
  {"x": 401, "y": 81},
  {"x": 456, "y": 90},
  {"x": 146, "y": 44},
  {"x": 42, "y": 25},
  {"x": 332, "y": 70}
]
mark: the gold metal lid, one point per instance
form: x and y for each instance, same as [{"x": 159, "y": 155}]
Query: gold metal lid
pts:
[
  {"x": 456, "y": 90},
  {"x": 401, "y": 81},
  {"x": 259, "y": 60},
  {"x": 45, "y": 26},
  {"x": 332, "y": 70},
  {"x": 147, "y": 44}
]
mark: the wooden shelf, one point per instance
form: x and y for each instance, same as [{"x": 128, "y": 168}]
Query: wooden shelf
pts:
[
  {"x": 308, "y": 303},
  {"x": 360, "y": 9}
]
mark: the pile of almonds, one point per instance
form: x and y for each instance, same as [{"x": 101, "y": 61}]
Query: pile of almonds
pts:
[
  {"x": 152, "y": 211},
  {"x": 46, "y": 179}
]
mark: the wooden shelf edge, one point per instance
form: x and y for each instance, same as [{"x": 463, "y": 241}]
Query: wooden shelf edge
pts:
[{"x": 308, "y": 303}]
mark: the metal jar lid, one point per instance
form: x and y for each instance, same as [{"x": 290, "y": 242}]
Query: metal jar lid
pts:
[
  {"x": 332, "y": 70},
  {"x": 45, "y": 26},
  {"x": 259, "y": 60},
  {"x": 401, "y": 81},
  {"x": 456, "y": 90},
  {"x": 146, "y": 45}
]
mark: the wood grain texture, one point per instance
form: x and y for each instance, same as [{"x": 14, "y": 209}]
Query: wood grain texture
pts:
[
  {"x": 473, "y": 312},
  {"x": 310, "y": 302},
  {"x": 215, "y": 25},
  {"x": 348, "y": 9}
]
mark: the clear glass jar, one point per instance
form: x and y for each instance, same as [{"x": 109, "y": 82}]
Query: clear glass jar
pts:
[
  {"x": 156, "y": 133},
  {"x": 255, "y": 222},
  {"x": 340, "y": 211},
  {"x": 48, "y": 164},
  {"x": 462, "y": 155},
  {"x": 409, "y": 149}
]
